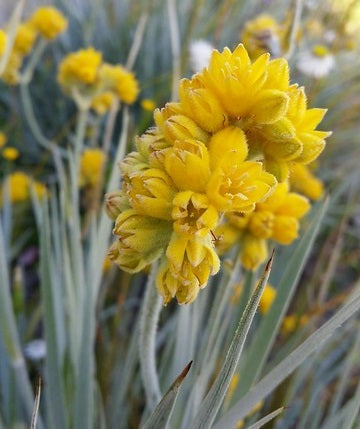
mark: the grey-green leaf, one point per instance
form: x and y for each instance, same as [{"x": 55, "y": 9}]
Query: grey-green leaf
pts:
[
  {"x": 162, "y": 412},
  {"x": 213, "y": 400}
]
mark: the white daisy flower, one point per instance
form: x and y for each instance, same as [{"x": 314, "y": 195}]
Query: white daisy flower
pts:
[
  {"x": 316, "y": 63},
  {"x": 200, "y": 53}
]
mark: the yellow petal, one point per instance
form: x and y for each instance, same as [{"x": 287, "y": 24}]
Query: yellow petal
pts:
[
  {"x": 254, "y": 252},
  {"x": 270, "y": 106},
  {"x": 230, "y": 139},
  {"x": 295, "y": 205},
  {"x": 285, "y": 229}
]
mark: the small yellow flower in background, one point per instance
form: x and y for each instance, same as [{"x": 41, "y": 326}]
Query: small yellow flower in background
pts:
[
  {"x": 289, "y": 324},
  {"x": 11, "y": 74},
  {"x": 267, "y": 299},
  {"x": 49, "y": 22},
  {"x": 214, "y": 155},
  {"x": 101, "y": 103},
  {"x": 302, "y": 180},
  {"x": 18, "y": 185},
  {"x": 148, "y": 104},
  {"x": 25, "y": 38},
  {"x": 3, "y": 139},
  {"x": 122, "y": 82},
  {"x": 10, "y": 153},
  {"x": 262, "y": 34},
  {"x": 91, "y": 167},
  {"x": 79, "y": 69},
  {"x": 3, "y": 38}
]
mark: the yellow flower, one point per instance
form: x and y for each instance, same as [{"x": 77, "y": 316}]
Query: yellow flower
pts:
[
  {"x": 148, "y": 104},
  {"x": 91, "y": 167},
  {"x": 304, "y": 181},
  {"x": 49, "y": 22},
  {"x": 18, "y": 187},
  {"x": 141, "y": 240},
  {"x": 200, "y": 104},
  {"x": 122, "y": 82},
  {"x": 79, "y": 68},
  {"x": 211, "y": 156},
  {"x": 267, "y": 299},
  {"x": 237, "y": 187},
  {"x": 151, "y": 193},
  {"x": 189, "y": 264},
  {"x": 287, "y": 208},
  {"x": 3, "y": 139},
  {"x": 10, "y": 153},
  {"x": 11, "y": 73},
  {"x": 277, "y": 218},
  {"x": 187, "y": 163},
  {"x": 3, "y": 39},
  {"x": 25, "y": 38},
  {"x": 101, "y": 103},
  {"x": 177, "y": 127},
  {"x": 193, "y": 214},
  {"x": 262, "y": 34},
  {"x": 254, "y": 251}
]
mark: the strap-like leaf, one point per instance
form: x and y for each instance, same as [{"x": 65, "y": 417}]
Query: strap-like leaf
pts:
[
  {"x": 213, "y": 400},
  {"x": 162, "y": 412}
]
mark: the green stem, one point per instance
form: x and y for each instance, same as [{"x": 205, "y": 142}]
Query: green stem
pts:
[
  {"x": 34, "y": 59},
  {"x": 149, "y": 318},
  {"x": 294, "y": 28}
]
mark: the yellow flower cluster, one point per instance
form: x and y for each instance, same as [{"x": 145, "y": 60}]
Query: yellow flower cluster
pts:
[
  {"x": 18, "y": 187},
  {"x": 91, "y": 167},
  {"x": 46, "y": 22},
  {"x": 214, "y": 156},
  {"x": 276, "y": 218},
  {"x": 85, "y": 73}
]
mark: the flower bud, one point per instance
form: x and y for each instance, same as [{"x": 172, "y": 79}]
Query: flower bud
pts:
[{"x": 116, "y": 202}]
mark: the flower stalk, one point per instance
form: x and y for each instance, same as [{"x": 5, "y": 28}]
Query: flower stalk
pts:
[{"x": 150, "y": 312}]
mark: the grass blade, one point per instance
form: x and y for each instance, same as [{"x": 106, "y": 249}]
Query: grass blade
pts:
[
  {"x": 260, "y": 423},
  {"x": 289, "y": 364},
  {"x": 213, "y": 400},
  {"x": 270, "y": 324}
]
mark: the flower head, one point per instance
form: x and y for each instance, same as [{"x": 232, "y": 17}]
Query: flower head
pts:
[
  {"x": 207, "y": 169},
  {"x": 91, "y": 167},
  {"x": 120, "y": 81},
  {"x": 79, "y": 69},
  {"x": 49, "y": 22},
  {"x": 18, "y": 186},
  {"x": 10, "y": 153},
  {"x": 303, "y": 180},
  {"x": 276, "y": 218},
  {"x": 101, "y": 103},
  {"x": 25, "y": 38}
]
